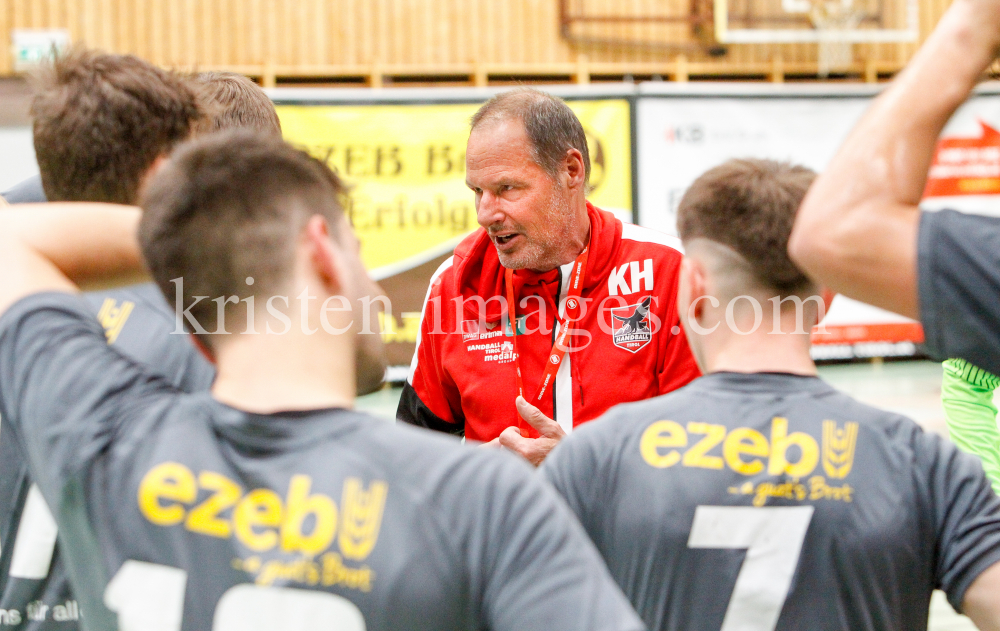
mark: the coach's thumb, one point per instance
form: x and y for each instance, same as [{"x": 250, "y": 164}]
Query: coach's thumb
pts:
[{"x": 534, "y": 417}]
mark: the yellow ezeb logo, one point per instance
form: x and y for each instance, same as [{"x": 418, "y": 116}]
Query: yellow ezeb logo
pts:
[
  {"x": 319, "y": 537},
  {"x": 748, "y": 451}
]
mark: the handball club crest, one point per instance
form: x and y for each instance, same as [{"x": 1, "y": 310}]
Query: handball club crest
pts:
[{"x": 630, "y": 328}]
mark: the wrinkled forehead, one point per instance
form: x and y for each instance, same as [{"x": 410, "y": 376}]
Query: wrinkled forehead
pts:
[{"x": 503, "y": 145}]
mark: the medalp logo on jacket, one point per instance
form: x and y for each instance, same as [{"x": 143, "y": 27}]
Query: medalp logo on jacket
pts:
[{"x": 630, "y": 328}]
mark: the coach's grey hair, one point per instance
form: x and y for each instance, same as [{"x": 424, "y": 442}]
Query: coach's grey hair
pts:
[{"x": 552, "y": 127}]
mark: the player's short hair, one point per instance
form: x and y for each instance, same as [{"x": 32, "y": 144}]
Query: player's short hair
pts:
[
  {"x": 749, "y": 205},
  {"x": 229, "y": 206},
  {"x": 100, "y": 122},
  {"x": 238, "y": 102},
  {"x": 551, "y": 125}
]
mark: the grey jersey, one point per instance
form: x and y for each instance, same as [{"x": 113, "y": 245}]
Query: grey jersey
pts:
[
  {"x": 772, "y": 501},
  {"x": 34, "y": 589},
  {"x": 28, "y": 191},
  {"x": 958, "y": 275},
  {"x": 178, "y": 512}
]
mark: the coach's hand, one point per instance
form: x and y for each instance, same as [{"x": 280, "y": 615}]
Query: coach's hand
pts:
[{"x": 533, "y": 450}]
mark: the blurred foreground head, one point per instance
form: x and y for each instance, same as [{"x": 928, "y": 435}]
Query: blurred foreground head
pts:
[
  {"x": 236, "y": 102},
  {"x": 101, "y": 121},
  {"x": 247, "y": 223},
  {"x": 735, "y": 221}
]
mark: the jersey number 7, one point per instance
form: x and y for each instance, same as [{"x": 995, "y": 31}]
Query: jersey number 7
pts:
[{"x": 773, "y": 537}]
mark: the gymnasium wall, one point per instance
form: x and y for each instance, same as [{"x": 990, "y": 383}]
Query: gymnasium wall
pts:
[{"x": 476, "y": 42}]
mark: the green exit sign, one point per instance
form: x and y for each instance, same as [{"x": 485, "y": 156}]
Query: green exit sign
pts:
[{"x": 32, "y": 46}]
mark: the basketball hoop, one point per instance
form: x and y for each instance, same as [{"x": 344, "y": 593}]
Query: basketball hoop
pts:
[{"x": 833, "y": 20}]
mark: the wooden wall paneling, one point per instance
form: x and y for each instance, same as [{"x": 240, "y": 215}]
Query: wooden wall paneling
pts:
[
  {"x": 22, "y": 13},
  {"x": 42, "y": 17},
  {"x": 301, "y": 44},
  {"x": 287, "y": 33},
  {"x": 400, "y": 21},
  {"x": 271, "y": 37},
  {"x": 88, "y": 13},
  {"x": 124, "y": 25},
  {"x": 172, "y": 32},
  {"x": 208, "y": 34},
  {"x": 517, "y": 33},
  {"x": 366, "y": 51},
  {"x": 33, "y": 14},
  {"x": 343, "y": 45},
  {"x": 319, "y": 31},
  {"x": 6, "y": 23},
  {"x": 139, "y": 26},
  {"x": 504, "y": 34},
  {"x": 484, "y": 38},
  {"x": 251, "y": 48},
  {"x": 215, "y": 31},
  {"x": 18, "y": 13},
  {"x": 188, "y": 43},
  {"x": 407, "y": 22},
  {"x": 421, "y": 47},
  {"x": 241, "y": 50},
  {"x": 437, "y": 23},
  {"x": 382, "y": 35},
  {"x": 108, "y": 36},
  {"x": 71, "y": 16},
  {"x": 458, "y": 30},
  {"x": 474, "y": 31}
]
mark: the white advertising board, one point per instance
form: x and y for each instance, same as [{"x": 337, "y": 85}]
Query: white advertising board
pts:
[{"x": 680, "y": 135}]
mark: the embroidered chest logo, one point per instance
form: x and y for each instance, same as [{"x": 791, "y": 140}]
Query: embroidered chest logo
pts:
[{"x": 630, "y": 326}]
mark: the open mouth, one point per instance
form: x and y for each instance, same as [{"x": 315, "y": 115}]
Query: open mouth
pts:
[{"x": 505, "y": 238}]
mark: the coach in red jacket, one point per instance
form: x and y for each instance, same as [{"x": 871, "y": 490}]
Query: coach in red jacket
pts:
[{"x": 594, "y": 317}]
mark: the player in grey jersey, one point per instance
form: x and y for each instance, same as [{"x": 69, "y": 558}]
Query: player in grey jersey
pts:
[
  {"x": 138, "y": 112},
  {"x": 137, "y": 320},
  {"x": 268, "y": 503},
  {"x": 758, "y": 497}
]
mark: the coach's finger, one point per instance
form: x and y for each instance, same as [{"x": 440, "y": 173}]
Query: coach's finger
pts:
[{"x": 511, "y": 439}]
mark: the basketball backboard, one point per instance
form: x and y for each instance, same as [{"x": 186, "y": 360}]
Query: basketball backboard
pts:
[{"x": 796, "y": 21}]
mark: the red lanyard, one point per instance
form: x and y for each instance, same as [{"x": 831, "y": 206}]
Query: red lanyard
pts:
[{"x": 559, "y": 347}]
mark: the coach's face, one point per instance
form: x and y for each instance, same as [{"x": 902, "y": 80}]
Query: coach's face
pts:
[{"x": 527, "y": 212}]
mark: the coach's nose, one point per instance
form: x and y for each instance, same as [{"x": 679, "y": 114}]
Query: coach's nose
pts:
[{"x": 489, "y": 209}]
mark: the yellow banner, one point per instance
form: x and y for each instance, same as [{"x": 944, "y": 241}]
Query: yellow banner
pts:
[{"x": 406, "y": 164}]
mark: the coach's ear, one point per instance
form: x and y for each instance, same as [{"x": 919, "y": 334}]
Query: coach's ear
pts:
[{"x": 322, "y": 254}]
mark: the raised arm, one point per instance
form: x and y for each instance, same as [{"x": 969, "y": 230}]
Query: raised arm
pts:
[
  {"x": 65, "y": 246},
  {"x": 856, "y": 231}
]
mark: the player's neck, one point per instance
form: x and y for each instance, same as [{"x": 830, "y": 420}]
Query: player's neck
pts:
[
  {"x": 270, "y": 373},
  {"x": 761, "y": 352}
]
